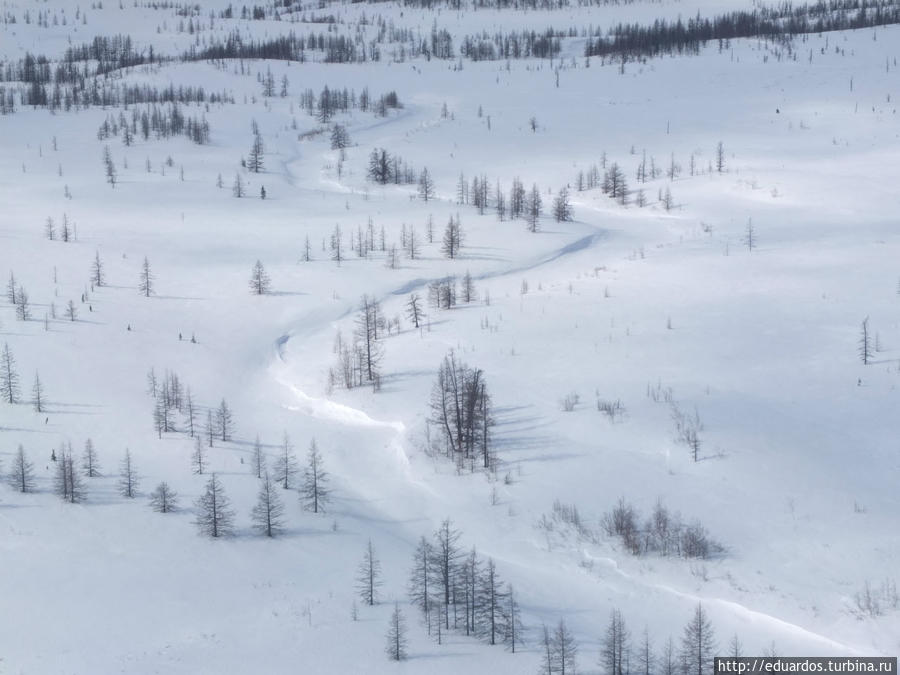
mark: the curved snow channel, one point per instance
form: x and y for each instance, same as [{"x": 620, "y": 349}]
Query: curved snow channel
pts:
[
  {"x": 750, "y": 615},
  {"x": 322, "y": 408}
]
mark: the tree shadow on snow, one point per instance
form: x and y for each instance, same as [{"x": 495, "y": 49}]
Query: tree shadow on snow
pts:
[
  {"x": 287, "y": 293},
  {"x": 175, "y": 297},
  {"x": 516, "y": 429}
]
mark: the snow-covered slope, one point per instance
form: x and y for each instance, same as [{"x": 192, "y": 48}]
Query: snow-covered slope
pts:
[{"x": 667, "y": 311}]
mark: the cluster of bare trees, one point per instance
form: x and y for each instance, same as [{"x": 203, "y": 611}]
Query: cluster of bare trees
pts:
[
  {"x": 175, "y": 410},
  {"x": 333, "y": 100},
  {"x": 521, "y": 203},
  {"x": 457, "y": 590},
  {"x": 614, "y": 183},
  {"x": 461, "y": 413},
  {"x": 159, "y": 121},
  {"x": 663, "y": 532},
  {"x": 359, "y": 361},
  {"x": 386, "y": 168}
]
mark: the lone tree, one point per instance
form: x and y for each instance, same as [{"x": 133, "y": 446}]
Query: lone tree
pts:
[
  {"x": 258, "y": 460},
  {"x": 224, "y": 422},
  {"x": 340, "y": 139},
  {"x": 698, "y": 645},
  {"x": 564, "y": 649},
  {"x": 533, "y": 208},
  {"x": 512, "y": 621},
  {"x": 616, "y": 645},
  {"x": 255, "y": 160},
  {"x": 268, "y": 513},
  {"x": 865, "y": 342},
  {"x": 750, "y": 235},
  {"x": 21, "y": 477},
  {"x": 89, "y": 462},
  {"x": 488, "y": 601},
  {"x": 145, "y": 280},
  {"x": 368, "y": 578},
  {"x": 198, "y": 457},
  {"x": 426, "y": 186},
  {"x": 9, "y": 378},
  {"x": 562, "y": 209},
  {"x": 414, "y": 311},
  {"x": 420, "y": 575},
  {"x": 366, "y": 334},
  {"x": 237, "y": 188},
  {"x": 98, "y": 277},
  {"x": 109, "y": 166},
  {"x": 453, "y": 238},
  {"x": 314, "y": 492},
  {"x": 444, "y": 563},
  {"x": 11, "y": 289},
  {"x": 720, "y": 157},
  {"x": 645, "y": 658},
  {"x": 259, "y": 280},
  {"x": 37, "y": 394},
  {"x": 23, "y": 309},
  {"x": 163, "y": 499},
  {"x": 396, "y": 636},
  {"x": 286, "y": 464},
  {"x": 214, "y": 515},
  {"x": 68, "y": 484},
  {"x": 128, "y": 478}
]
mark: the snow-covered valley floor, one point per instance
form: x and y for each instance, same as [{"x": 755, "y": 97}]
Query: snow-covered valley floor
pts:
[{"x": 671, "y": 312}]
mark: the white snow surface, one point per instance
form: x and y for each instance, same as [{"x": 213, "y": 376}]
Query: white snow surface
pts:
[{"x": 799, "y": 468}]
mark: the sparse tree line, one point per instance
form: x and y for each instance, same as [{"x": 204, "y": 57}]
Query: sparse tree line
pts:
[
  {"x": 623, "y": 653},
  {"x": 366, "y": 241},
  {"x": 663, "y": 532},
  {"x": 333, "y": 100},
  {"x": 155, "y": 120},
  {"x": 291, "y": 47},
  {"x": 386, "y": 168},
  {"x": 610, "y": 177},
  {"x": 780, "y": 22},
  {"x": 214, "y": 516},
  {"x": 70, "y": 84},
  {"x": 520, "y": 202},
  {"x": 545, "y": 44},
  {"x": 359, "y": 360},
  {"x": 76, "y": 72}
]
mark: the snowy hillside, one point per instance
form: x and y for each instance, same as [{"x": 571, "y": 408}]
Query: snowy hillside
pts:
[{"x": 659, "y": 375}]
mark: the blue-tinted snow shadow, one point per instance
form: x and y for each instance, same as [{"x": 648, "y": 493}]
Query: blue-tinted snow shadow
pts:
[
  {"x": 517, "y": 429},
  {"x": 287, "y": 293}
]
